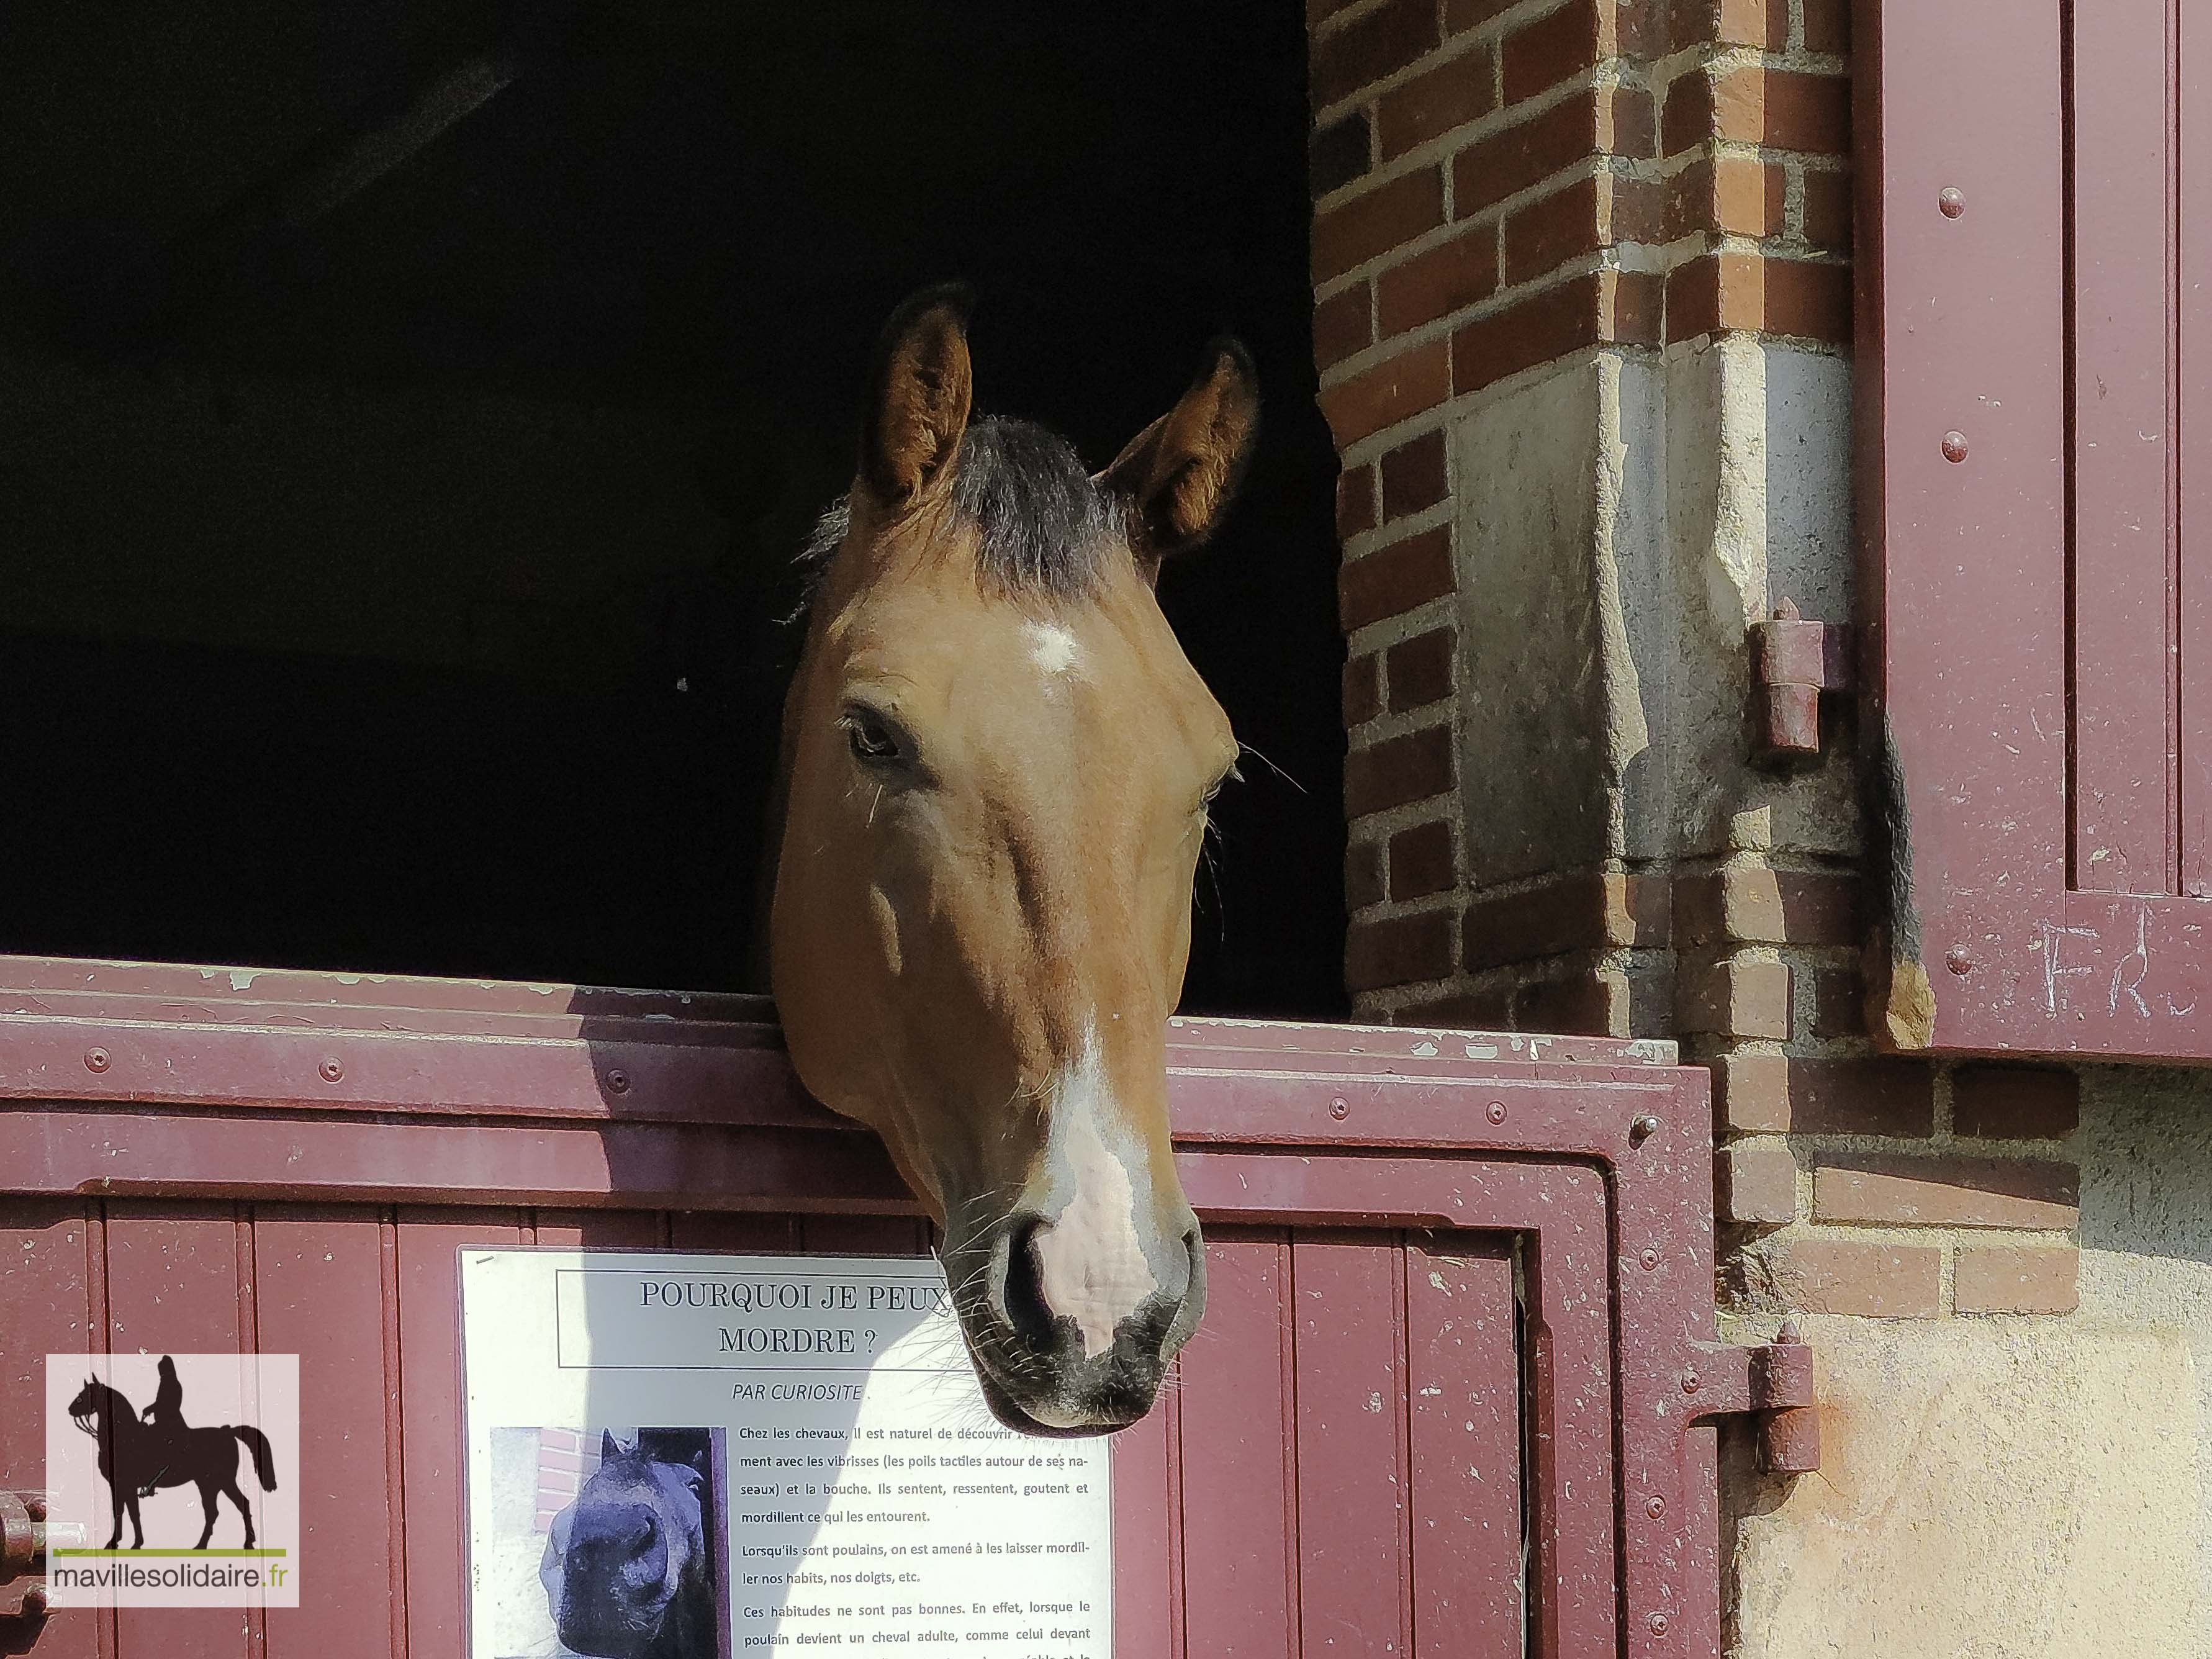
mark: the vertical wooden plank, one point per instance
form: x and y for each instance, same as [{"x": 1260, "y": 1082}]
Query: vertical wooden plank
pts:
[
  {"x": 2193, "y": 102},
  {"x": 1349, "y": 1312},
  {"x": 1144, "y": 1554},
  {"x": 1238, "y": 1458},
  {"x": 865, "y": 1234},
  {"x": 2123, "y": 458},
  {"x": 432, "y": 1464},
  {"x": 175, "y": 1285},
  {"x": 320, "y": 1294},
  {"x": 1961, "y": 326},
  {"x": 736, "y": 1232},
  {"x": 1463, "y": 1380},
  {"x": 718, "y": 1481},
  {"x": 47, "y": 1307},
  {"x": 1169, "y": 1409}
]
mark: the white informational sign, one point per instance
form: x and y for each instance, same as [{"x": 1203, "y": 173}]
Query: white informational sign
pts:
[{"x": 676, "y": 1456}]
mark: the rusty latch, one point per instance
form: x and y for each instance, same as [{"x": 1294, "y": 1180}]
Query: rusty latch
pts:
[
  {"x": 22, "y": 1555},
  {"x": 1773, "y": 1385},
  {"x": 1793, "y": 661}
]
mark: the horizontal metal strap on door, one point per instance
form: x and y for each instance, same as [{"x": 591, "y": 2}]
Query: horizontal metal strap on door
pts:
[{"x": 1771, "y": 1384}]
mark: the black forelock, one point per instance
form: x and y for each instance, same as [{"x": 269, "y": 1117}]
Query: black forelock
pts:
[{"x": 1041, "y": 525}]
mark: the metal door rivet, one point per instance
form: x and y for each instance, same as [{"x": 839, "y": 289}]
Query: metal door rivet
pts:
[
  {"x": 1650, "y": 1260},
  {"x": 1498, "y": 1111},
  {"x": 333, "y": 1070},
  {"x": 1689, "y": 1382},
  {"x": 1954, "y": 445},
  {"x": 1960, "y": 961},
  {"x": 95, "y": 1059},
  {"x": 618, "y": 1082},
  {"x": 1656, "y": 1508},
  {"x": 1340, "y": 1109},
  {"x": 1952, "y": 200},
  {"x": 1643, "y": 1129},
  {"x": 1658, "y": 1624}
]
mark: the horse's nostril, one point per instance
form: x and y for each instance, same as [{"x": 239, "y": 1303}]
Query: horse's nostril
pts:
[{"x": 1022, "y": 1296}]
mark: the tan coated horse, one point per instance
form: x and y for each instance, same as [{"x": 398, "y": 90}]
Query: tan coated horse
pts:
[{"x": 997, "y": 766}]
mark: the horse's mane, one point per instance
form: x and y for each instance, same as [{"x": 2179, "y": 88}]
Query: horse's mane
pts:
[{"x": 1041, "y": 525}]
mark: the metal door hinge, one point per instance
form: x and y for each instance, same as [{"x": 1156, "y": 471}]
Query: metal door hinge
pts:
[
  {"x": 22, "y": 1555},
  {"x": 1770, "y": 1384},
  {"x": 1793, "y": 662}
]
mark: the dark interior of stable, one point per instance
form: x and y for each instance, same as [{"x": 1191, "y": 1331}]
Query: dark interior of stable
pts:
[{"x": 408, "y": 413}]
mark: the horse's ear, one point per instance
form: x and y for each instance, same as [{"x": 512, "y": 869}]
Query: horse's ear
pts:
[
  {"x": 1180, "y": 472},
  {"x": 608, "y": 1450},
  {"x": 919, "y": 391}
]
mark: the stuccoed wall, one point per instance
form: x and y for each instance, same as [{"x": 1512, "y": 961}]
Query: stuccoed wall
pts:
[
  {"x": 2006, "y": 1488},
  {"x": 2145, "y": 1149},
  {"x": 2019, "y": 1487}
]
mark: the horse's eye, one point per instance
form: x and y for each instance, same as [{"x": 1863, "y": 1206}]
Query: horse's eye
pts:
[{"x": 869, "y": 738}]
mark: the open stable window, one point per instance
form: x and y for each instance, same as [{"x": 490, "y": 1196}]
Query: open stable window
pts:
[
  {"x": 409, "y": 416},
  {"x": 2036, "y": 239}
]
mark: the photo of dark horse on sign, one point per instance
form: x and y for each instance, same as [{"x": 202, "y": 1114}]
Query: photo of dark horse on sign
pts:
[{"x": 631, "y": 1567}]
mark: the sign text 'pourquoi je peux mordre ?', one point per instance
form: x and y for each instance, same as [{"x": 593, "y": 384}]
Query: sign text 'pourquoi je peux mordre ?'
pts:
[
  {"x": 760, "y": 1454},
  {"x": 773, "y": 1317}
]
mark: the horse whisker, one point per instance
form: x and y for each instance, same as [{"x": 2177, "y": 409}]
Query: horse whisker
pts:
[{"x": 1248, "y": 749}]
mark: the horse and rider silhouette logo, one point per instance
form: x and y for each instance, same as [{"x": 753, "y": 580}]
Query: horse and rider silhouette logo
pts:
[{"x": 143, "y": 1452}]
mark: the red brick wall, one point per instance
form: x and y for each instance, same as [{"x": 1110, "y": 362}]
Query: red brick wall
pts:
[
  {"x": 1853, "y": 1182},
  {"x": 566, "y": 1459},
  {"x": 1498, "y": 187}
]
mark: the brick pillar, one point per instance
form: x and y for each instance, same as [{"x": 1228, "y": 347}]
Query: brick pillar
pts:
[
  {"x": 1499, "y": 189},
  {"x": 1582, "y": 308},
  {"x": 1466, "y": 204}
]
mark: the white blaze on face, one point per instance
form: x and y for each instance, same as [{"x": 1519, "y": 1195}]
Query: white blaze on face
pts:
[
  {"x": 1052, "y": 647},
  {"x": 1091, "y": 1262}
]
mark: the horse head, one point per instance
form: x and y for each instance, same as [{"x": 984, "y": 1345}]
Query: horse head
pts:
[
  {"x": 627, "y": 1553},
  {"x": 93, "y": 1402},
  {"x": 997, "y": 763}
]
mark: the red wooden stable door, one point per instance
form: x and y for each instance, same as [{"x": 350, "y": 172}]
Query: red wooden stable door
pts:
[
  {"x": 1453, "y": 1394},
  {"x": 1338, "y": 1471},
  {"x": 1336, "y": 1468}
]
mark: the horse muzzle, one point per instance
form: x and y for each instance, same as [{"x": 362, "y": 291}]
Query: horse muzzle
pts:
[{"x": 1068, "y": 1347}]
